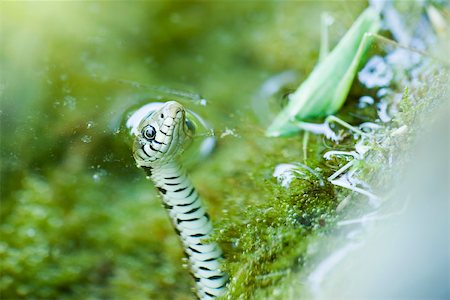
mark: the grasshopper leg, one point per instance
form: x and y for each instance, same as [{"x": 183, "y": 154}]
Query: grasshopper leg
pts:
[{"x": 330, "y": 119}]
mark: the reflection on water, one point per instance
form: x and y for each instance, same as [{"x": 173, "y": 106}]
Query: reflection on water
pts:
[{"x": 268, "y": 100}]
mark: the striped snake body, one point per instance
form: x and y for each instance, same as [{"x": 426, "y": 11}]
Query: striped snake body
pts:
[{"x": 159, "y": 140}]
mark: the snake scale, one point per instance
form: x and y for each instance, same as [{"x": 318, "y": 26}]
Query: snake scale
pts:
[{"x": 158, "y": 143}]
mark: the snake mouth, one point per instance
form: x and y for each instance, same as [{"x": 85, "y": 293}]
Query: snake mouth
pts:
[{"x": 174, "y": 120}]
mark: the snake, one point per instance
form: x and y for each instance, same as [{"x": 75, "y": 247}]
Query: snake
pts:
[{"x": 160, "y": 139}]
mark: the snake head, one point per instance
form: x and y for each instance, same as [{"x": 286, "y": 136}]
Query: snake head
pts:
[{"x": 162, "y": 135}]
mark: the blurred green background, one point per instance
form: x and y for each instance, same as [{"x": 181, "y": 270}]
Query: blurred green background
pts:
[{"x": 78, "y": 219}]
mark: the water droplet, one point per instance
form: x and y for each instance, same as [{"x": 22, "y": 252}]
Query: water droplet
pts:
[
  {"x": 98, "y": 175},
  {"x": 86, "y": 139},
  {"x": 70, "y": 102},
  {"x": 90, "y": 124}
]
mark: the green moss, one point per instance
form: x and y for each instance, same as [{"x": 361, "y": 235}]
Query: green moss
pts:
[{"x": 266, "y": 240}]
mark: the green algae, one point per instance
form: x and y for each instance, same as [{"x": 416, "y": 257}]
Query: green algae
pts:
[
  {"x": 266, "y": 238},
  {"x": 79, "y": 220}
]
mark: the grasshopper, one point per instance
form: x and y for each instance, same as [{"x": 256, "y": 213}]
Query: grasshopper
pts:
[{"x": 325, "y": 90}]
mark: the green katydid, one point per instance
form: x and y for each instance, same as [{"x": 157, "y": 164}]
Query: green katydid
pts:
[{"x": 325, "y": 90}]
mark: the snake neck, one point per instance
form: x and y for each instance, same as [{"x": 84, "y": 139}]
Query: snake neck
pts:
[{"x": 193, "y": 226}]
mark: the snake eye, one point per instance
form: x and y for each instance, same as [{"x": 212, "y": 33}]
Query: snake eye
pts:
[
  {"x": 190, "y": 125},
  {"x": 149, "y": 132}
]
